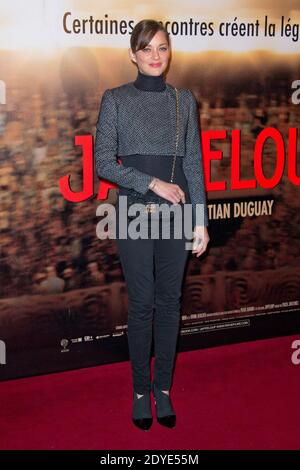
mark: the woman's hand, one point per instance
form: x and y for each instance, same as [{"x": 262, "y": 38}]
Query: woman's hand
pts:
[
  {"x": 171, "y": 192},
  {"x": 200, "y": 239}
]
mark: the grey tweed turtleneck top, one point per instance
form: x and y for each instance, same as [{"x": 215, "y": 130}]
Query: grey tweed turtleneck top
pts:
[
  {"x": 148, "y": 112},
  {"x": 156, "y": 165}
]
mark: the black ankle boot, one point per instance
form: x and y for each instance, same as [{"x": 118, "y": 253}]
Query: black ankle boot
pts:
[
  {"x": 164, "y": 410},
  {"x": 141, "y": 411}
]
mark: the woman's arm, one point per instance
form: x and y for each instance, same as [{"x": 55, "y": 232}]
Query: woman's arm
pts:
[
  {"x": 106, "y": 146},
  {"x": 193, "y": 165}
]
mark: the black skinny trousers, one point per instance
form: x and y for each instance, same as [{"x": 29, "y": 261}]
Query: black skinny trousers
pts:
[{"x": 153, "y": 270}]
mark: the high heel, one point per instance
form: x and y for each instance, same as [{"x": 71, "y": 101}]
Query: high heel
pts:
[
  {"x": 164, "y": 410},
  {"x": 141, "y": 411}
]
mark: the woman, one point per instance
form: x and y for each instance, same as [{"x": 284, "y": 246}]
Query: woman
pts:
[{"x": 137, "y": 122}]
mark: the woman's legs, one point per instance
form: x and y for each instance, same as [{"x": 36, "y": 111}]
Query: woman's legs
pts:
[
  {"x": 137, "y": 262},
  {"x": 170, "y": 259},
  {"x": 138, "y": 258}
]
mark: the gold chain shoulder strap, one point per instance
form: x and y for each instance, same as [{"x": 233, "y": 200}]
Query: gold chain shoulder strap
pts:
[{"x": 177, "y": 134}]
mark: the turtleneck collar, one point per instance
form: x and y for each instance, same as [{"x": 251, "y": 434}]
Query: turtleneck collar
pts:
[{"x": 150, "y": 82}]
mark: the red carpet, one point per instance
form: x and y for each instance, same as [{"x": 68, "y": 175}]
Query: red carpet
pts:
[{"x": 243, "y": 396}]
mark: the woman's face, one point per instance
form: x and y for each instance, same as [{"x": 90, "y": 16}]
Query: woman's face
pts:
[{"x": 154, "y": 58}]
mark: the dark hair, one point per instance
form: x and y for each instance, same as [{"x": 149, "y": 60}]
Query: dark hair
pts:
[{"x": 143, "y": 33}]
